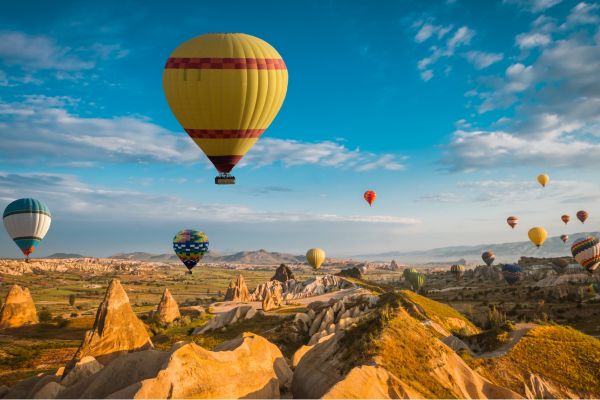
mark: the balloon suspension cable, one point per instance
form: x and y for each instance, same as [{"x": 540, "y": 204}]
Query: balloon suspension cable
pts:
[{"x": 224, "y": 178}]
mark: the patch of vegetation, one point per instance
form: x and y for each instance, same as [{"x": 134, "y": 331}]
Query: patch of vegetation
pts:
[
  {"x": 441, "y": 313},
  {"x": 561, "y": 355},
  {"x": 375, "y": 288}
]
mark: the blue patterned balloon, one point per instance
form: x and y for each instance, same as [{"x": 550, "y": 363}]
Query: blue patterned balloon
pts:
[{"x": 512, "y": 273}]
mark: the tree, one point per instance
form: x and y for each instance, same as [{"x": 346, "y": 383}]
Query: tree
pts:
[
  {"x": 45, "y": 315},
  {"x": 72, "y": 299}
]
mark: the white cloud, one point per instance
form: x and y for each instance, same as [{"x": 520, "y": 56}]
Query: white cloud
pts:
[
  {"x": 582, "y": 14},
  {"x": 45, "y": 129},
  {"x": 461, "y": 37},
  {"x": 39, "y": 52},
  {"x": 428, "y": 30},
  {"x": 518, "y": 78},
  {"x": 68, "y": 196},
  {"x": 534, "y": 6},
  {"x": 532, "y": 39},
  {"x": 291, "y": 153},
  {"x": 482, "y": 59}
]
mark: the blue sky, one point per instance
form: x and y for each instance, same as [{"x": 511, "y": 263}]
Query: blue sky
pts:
[{"x": 448, "y": 109}]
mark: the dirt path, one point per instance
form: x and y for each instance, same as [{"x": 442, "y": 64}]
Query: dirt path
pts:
[
  {"x": 223, "y": 307},
  {"x": 516, "y": 335}
]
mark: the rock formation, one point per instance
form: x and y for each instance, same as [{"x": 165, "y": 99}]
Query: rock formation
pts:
[
  {"x": 18, "y": 309},
  {"x": 247, "y": 367},
  {"x": 116, "y": 329},
  {"x": 491, "y": 273},
  {"x": 314, "y": 286},
  {"x": 237, "y": 290},
  {"x": 283, "y": 273},
  {"x": 353, "y": 272},
  {"x": 167, "y": 310},
  {"x": 274, "y": 288},
  {"x": 394, "y": 266},
  {"x": 270, "y": 302},
  {"x": 225, "y": 319}
]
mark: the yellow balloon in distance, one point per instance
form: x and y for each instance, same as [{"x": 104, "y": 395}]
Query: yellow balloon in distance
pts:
[
  {"x": 225, "y": 89},
  {"x": 315, "y": 257},
  {"x": 543, "y": 179},
  {"x": 537, "y": 235}
]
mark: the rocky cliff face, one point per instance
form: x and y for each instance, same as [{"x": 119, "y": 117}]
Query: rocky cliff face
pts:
[
  {"x": 18, "y": 308},
  {"x": 116, "y": 329}
]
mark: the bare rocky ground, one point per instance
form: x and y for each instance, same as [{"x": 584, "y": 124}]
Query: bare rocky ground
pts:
[{"x": 309, "y": 337}]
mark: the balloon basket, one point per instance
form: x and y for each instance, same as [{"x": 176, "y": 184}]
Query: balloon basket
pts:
[{"x": 225, "y": 179}]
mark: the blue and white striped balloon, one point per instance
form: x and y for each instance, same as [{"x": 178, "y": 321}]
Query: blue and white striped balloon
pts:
[{"x": 27, "y": 221}]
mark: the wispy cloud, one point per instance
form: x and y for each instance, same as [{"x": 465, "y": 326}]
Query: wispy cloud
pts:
[
  {"x": 582, "y": 14},
  {"x": 47, "y": 129},
  {"x": 482, "y": 59},
  {"x": 534, "y": 6},
  {"x": 68, "y": 196}
]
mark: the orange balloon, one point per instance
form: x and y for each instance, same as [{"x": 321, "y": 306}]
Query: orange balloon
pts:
[{"x": 370, "y": 197}]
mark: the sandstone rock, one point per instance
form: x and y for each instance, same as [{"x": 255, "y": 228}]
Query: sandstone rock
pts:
[
  {"x": 274, "y": 288},
  {"x": 49, "y": 391},
  {"x": 237, "y": 290},
  {"x": 491, "y": 273},
  {"x": 18, "y": 309},
  {"x": 116, "y": 329},
  {"x": 283, "y": 273},
  {"x": 167, "y": 310},
  {"x": 353, "y": 272},
  {"x": 302, "y": 322},
  {"x": 85, "y": 367},
  {"x": 223, "y": 320},
  {"x": 269, "y": 303}
]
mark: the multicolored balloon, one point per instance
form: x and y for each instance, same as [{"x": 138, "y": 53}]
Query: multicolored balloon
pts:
[
  {"x": 512, "y": 221},
  {"x": 594, "y": 288},
  {"x": 27, "y": 221},
  {"x": 537, "y": 235},
  {"x": 488, "y": 257},
  {"x": 458, "y": 271},
  {"x": 370, "y": 197},
  {"x": 586, "y": 252},
  {"x": 190, "y": 246},
  {"x": 564, "y": 238},
  {"x": 565, "y": 218},
  {"x": 512, "y": 273},
  {"x": 582, "y": 216},
  {"x": 315, "y": 257},
  {"x": 543, "y": 179},
  {"x": 225, "y": 89}
]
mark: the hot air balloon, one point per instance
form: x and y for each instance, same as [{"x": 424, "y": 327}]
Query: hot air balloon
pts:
[
  {"x": 564, "y": 238},
  {"x": 488, "y": 257},
  {"x": 537, "y": 235},
  {"x": 512, "y": 221},
  {"x": 543, "y": 179},
  {"x": 458, "y": 271},
  {"x": 190, "y": 246},
  {"x": 27, "y": 221},
  {"x": 594, "y": 288},
  {"x": 586, "y": 252},
  {"x": 565, "y": 218},
  {"x": 512, "y": 273},
  {"x": 582, "y": 216},
  {"x": 315, "y": 257},
  {"x": 370, "y": 196},
  {"x": 407, "y": 272},
  {"x": 417, "y": 280},
  {"x": 225, "y": 89}
]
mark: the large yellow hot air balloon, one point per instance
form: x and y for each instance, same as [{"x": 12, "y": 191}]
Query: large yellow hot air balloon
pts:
[
  {"x": 537, "y": 235},
  {"x": 543, "y": 179},
  {"x": 315, "y": 257},
  {"x": 225, "y": 89}
]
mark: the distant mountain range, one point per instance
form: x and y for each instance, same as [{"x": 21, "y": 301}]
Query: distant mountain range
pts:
[
  {"x": 261, "y": 257},
  {"x": 65, "y": 255},
  {"x": 553, "y": 247}
]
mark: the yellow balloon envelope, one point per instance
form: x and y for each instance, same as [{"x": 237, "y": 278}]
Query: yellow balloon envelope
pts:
[
  {"x": 537, "y": 235},
  {"x": 225, "y": 89},
  {"x": 543, "y": 179},
  {"x": 315, "y": 257}
]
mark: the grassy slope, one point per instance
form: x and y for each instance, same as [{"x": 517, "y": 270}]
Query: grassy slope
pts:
[
  {"x": 561, "y": 355},
  {"x": 441, "y": 313}
]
